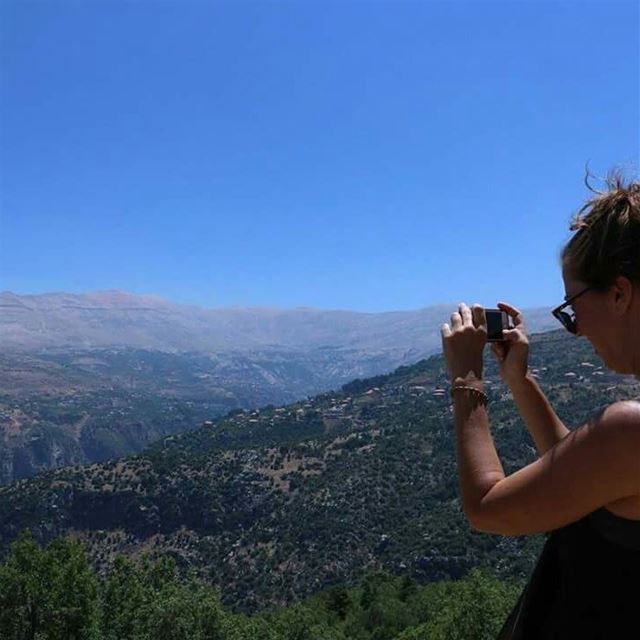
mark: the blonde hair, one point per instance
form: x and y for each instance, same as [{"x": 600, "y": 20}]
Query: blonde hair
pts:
[{"x": 606, "y": 243}]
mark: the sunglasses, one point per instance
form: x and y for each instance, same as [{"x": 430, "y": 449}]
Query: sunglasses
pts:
[{"x": 568, "y": 320}]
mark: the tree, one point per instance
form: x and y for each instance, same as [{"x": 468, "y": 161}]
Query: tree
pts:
[
  {"x": 47, "y": 594},
  {"x": 72, "y": 611},
  {"x": 339, "y": 601},
  {"x": 123, "y": 595},
  {"x": 473, "y": 608},
  {"x": 22, "y": 590}
]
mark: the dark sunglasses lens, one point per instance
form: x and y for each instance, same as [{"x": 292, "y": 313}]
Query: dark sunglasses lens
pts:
[{"x": 568, "y": 322}]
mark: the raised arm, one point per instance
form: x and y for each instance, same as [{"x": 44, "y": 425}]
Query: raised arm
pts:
[
  {"x": 592, "y": 466},
  {"x": 541, "y": 420}
]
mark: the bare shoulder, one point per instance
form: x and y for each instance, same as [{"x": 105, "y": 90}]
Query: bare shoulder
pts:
[
  {"x": 623, "y": 420},
  {"x": 595, "y": 465},
  {"x": 616, "y": 431},
  {"x": 622, "y": 417}
]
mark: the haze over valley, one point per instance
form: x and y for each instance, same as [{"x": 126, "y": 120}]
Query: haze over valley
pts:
[{"x": 85, "y": 378}]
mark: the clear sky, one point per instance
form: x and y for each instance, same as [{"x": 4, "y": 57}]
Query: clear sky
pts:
[{"x": 354, "y": 155}]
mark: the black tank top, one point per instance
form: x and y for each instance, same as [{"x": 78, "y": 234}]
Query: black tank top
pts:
[{"x": 585, "y": 585}]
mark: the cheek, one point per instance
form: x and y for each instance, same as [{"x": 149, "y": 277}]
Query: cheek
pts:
[
  {"x": 588, "y": 325},
  {"x": 595, "y": 338}
]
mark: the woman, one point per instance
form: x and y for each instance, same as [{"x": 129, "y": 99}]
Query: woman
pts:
[{"x": 585, "y": 486}]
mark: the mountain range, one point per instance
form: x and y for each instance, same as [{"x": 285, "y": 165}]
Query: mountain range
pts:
[
  {"x": 85, "y": 378},
  {"x": 120, "y": 319}
]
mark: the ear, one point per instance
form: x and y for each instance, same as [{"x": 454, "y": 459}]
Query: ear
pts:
[{"x": 623, "y": 293}]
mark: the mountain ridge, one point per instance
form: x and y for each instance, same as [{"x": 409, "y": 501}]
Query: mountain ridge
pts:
[{"x": 117, "y": 318}]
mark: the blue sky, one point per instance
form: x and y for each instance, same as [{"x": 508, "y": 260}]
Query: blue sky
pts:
[{"x": 355, "y": 155}]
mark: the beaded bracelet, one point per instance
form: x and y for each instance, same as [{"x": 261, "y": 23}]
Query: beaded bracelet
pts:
[{"x": 481, "y": 396}]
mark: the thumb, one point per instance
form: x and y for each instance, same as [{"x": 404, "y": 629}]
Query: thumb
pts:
[
  {"x": 511, "y": 335},
  {"x": 499, "y": 350}
]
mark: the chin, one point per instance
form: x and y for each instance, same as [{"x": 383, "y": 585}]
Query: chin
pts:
[{"x": 614, "y": 362}]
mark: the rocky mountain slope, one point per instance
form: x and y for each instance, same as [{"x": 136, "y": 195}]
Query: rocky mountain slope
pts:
[{"x": 70, "y": 406}]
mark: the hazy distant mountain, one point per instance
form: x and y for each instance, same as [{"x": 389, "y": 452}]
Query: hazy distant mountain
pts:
[
  {"x": 84, "y": 378},
  {"x": 116, "y": 318}
]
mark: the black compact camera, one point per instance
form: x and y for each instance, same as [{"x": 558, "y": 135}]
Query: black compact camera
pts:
[{"x": 497, "y": 322}]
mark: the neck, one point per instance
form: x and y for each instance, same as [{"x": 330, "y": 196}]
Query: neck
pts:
[{"x": 635, "y": 344}]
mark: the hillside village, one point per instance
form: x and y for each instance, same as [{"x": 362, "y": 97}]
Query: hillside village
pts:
[{"x": 343, "y": 409}]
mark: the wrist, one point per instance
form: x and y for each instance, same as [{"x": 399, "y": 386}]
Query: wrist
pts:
[
  {"x": 521, "y": 380},
  {"x": 470, "y": 380},
  {"x": 468, "y": 390},
  {"x": 467, "y": 375}
]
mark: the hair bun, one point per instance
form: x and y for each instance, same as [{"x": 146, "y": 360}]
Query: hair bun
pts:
[{"x": 607, "y": 239}]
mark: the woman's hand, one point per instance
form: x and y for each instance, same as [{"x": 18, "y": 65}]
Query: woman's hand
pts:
[
  {"x": 512, "y": 354},
  {"x": 463, "y": 342}
]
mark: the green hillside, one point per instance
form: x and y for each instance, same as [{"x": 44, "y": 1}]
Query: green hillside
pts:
[{"x": 277, "y": 504}]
